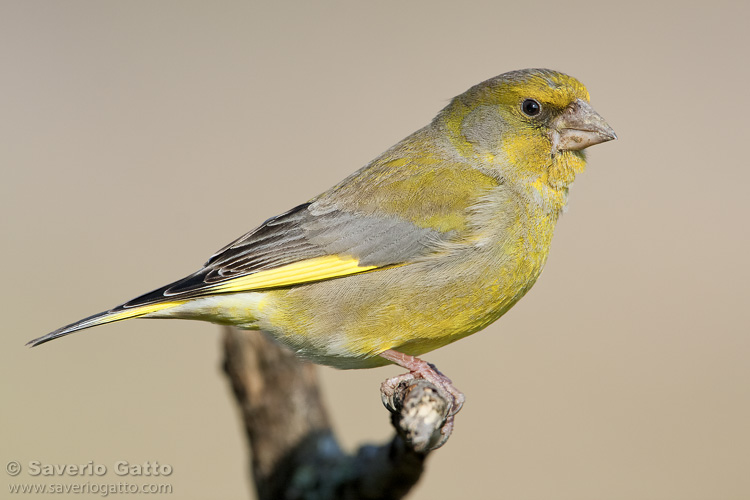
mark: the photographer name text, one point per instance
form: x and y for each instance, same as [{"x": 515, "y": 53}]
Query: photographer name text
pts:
[{"x": 91, "y": 468}]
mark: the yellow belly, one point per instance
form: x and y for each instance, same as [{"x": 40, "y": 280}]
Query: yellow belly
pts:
[{"x": 414, "y": 308}]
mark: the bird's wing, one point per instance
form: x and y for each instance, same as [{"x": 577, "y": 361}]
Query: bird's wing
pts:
[
  {"x": 381, "y": 216},
  {"x": 302, "y": 245}
]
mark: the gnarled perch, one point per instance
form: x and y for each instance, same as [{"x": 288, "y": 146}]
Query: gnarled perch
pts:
[{"x": 294, "y": 451}]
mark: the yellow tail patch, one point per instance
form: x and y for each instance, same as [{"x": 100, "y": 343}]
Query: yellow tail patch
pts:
[
  {"x": 133, "y": 313},
  {"x": 103, "y": 319}
]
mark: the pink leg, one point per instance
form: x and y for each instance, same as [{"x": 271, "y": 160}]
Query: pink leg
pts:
[{"x": 427, "y": 371}]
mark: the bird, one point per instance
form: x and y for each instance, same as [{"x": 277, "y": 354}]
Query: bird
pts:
[{"x": 431, "y": 241}]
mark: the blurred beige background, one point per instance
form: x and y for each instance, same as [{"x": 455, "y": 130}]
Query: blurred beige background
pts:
[{"x": 138, "y": 137}]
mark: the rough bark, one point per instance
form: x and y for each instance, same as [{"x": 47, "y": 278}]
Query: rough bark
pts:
[{"x": 294, "y": 451}]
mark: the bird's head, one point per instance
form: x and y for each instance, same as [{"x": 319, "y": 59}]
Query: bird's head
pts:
[{"x": 528, "y": 127}]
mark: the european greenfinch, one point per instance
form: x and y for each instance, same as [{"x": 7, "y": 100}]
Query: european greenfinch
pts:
[{"x": 431, "y": 241}]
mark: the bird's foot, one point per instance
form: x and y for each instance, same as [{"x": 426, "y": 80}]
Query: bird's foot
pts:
[{"x": 419, "y": 369}]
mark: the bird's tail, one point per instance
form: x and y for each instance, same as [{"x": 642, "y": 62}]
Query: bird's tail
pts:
[{"x": 119, "y": 313}]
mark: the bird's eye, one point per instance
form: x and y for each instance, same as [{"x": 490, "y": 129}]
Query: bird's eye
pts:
[{"x": 530, "y": 107}]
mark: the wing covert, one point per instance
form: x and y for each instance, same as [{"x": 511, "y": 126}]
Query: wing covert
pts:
[{"x": 302, "y": 245}]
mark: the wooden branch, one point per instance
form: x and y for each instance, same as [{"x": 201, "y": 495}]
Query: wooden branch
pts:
[{"x": 294, "y": 452}]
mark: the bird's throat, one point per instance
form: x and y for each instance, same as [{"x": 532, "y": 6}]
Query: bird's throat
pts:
[{"x": 564, "y": 167}]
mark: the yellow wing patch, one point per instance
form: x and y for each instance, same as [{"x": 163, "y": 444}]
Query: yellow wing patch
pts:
[{"x": 305, "y": 271}]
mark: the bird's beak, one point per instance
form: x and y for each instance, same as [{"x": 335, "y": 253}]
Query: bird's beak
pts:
[{"x": 579, "y": 127}]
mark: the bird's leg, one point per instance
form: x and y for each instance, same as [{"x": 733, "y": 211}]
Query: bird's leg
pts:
[{"x": 424, "y": 370}]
